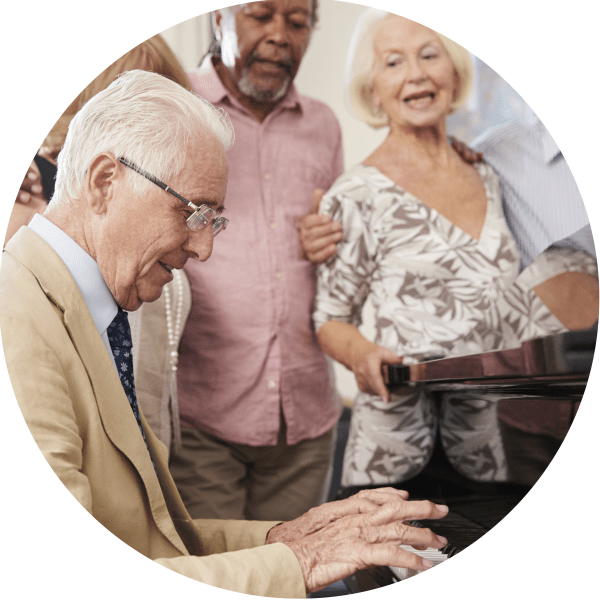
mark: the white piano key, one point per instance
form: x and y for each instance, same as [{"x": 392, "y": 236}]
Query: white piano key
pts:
[{"x": 432, "y": 554}]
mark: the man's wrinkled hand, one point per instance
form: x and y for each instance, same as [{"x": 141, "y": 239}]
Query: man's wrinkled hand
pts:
[
  {"x": 318, "y": 234},
  {"x": 334, "y": 540}
]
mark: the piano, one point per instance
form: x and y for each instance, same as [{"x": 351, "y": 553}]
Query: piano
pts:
[
  {"x": 555, "y": 367},
  {"x": 550, "y": 366}
]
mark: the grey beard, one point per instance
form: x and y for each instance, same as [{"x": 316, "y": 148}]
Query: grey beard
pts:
[{"x": 248, "y": 89}]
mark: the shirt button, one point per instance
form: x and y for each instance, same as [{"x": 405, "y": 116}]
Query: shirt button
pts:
[
  {"x": 273, "y": 225},
  {"x": 271, "y": 384},
  {"x": 267, "y": 176},
  {"x": 278, "y": 275}
]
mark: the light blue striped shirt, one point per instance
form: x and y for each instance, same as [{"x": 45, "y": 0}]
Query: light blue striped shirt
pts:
[{"x": 542, "y": 203}]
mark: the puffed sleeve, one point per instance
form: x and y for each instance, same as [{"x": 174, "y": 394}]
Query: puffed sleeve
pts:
[{"x": 343, "y": 281}]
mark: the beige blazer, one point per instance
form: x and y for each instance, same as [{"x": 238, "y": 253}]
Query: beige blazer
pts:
[{"x": 77, "y": 412}]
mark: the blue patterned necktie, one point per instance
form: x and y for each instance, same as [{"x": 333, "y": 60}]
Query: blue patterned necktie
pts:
[{"x": 119, "y": 336}]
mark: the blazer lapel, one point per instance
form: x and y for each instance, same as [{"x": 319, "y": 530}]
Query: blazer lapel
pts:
[{"x": 116, "y": 414}]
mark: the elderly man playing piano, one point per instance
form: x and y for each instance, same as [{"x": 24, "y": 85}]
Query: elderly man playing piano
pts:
[{"x": 108, "y": 243}]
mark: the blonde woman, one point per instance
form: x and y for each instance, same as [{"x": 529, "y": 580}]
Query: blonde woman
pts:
[{"x": 426, "y": 240}]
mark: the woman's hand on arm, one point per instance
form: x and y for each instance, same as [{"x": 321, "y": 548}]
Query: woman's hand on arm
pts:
[{"x": 344, "y": 343}]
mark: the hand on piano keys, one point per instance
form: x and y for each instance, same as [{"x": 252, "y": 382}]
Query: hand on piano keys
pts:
[{"x": 334, "y": 540}]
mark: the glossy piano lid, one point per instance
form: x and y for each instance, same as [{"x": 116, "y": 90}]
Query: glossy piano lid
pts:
[{"x": 566, "y": 357}]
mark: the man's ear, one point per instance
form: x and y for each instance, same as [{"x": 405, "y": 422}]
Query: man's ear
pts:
[{"x": 102, "y": 175}]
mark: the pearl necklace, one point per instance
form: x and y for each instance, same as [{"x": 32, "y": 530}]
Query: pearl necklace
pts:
[{"x": 174, "y": 331}]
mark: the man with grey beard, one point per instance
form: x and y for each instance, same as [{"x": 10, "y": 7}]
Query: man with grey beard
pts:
[{"x": 256, "y": 401}]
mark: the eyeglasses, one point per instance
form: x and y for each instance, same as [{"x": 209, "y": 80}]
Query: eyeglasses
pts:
[{"x": 202, "y": 216}]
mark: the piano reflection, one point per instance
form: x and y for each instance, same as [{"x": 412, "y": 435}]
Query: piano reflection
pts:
[{"x": 553, "y": 368}]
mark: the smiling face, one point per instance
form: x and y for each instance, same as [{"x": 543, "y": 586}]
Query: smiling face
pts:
[
  {"x": 144, "y": 237},
  {"x": 414, "y": 79},
  {"x": 262, "y": 44}
]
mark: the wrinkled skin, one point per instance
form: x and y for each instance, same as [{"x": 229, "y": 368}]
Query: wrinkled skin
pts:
[{"x": 334, "y": 540}]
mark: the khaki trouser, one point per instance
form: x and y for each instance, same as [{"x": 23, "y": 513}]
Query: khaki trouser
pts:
[{"x": 221, "y": 480}]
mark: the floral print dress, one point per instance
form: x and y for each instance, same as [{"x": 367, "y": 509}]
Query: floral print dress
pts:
[{"x": 436, "y": 292}]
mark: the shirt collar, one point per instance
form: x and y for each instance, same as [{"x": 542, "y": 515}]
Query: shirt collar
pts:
[
  {"x": 84, "y": 270},
  {"x": 208, "y": 84}
]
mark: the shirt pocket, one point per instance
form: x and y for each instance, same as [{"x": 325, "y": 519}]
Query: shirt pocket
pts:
[{"x": 299, "y": 180}]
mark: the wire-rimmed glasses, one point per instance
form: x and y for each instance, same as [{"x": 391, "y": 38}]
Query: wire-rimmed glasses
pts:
[{"x": 202, "y": 215}]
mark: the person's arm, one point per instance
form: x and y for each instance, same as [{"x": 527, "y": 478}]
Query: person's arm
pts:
[
  {"x": 37, "y": 377},
  {"x": 572, "y": 298},
  {"x": 324, "y": 545},
  {"x": 318, "y": 233},
  {"x": 342, "y": 288},
  {"x": 344, "y": 342},
  {"x": 269, "y": 570}
]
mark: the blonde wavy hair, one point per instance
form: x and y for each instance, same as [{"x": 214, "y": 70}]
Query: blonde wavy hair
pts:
[
  {"x": 153, "y": 55},
  {"x": 361, "y": 58}
]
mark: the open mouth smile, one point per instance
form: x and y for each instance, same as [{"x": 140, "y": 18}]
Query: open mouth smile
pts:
[{"x": 420, "y": 99}]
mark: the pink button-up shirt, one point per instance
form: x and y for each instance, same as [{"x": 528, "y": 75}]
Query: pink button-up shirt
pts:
[{"x": 249, "y": 351}]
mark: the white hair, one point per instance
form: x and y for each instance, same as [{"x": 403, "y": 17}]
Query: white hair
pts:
[
  {"x": 361, "y": 58},
  {"x": 143, "y": 117}
]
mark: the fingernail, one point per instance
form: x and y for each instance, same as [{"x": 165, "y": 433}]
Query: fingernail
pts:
[
  {"x": 427, "y": 563},
  {"x": 31, "y": 175},
  {"x": 442, "y": 508},
  {"x": 442, "y": 539},
  {"x": 36, "y": 188}
]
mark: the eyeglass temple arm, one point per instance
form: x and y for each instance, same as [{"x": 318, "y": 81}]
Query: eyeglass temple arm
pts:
[{"x": 156, "y": 181}]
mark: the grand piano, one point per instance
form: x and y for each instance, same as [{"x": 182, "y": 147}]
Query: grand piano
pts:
[{"x": 554, "y": 368}]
